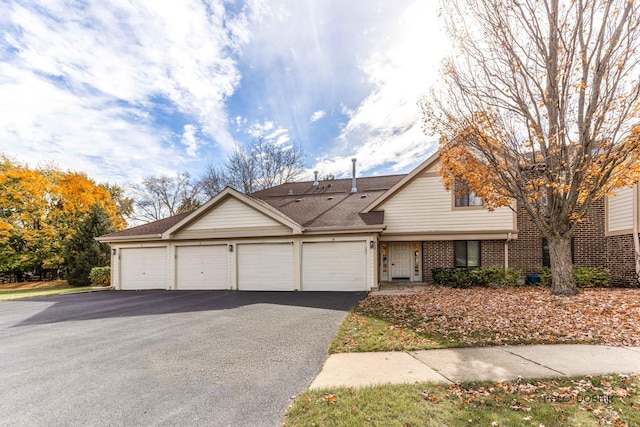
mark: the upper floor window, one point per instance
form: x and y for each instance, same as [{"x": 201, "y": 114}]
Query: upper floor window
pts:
[{"x": 464, "y": 196}]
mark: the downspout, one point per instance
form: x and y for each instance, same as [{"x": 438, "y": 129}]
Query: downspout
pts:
[
  {"x": 506, "y": 250},
  {"x": 636, "y": 239}
]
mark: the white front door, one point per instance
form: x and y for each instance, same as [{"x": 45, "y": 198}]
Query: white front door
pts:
[{"x": 400, "y": 253}]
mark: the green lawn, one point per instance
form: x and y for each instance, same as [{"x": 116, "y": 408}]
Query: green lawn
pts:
[
  {"x": 14, "y": 294},
  {"x": 443, "y": 318},
  {"x": 359, "y": 332},
  {"x": 579, "y": 401}
]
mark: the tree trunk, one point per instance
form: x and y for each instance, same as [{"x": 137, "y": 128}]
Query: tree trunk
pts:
[{"x": 561, "y": 266}]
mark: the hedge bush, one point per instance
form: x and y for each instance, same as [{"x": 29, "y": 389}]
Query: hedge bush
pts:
[
  {"x": 100, "y": 276},
  {"x": 453, "y": 277},
  {"x": 585, "y": 277},
  {"x": 481, "y": 276},
  {"x": 589, "y": 277},
  {"x": 545, "y": 276}
]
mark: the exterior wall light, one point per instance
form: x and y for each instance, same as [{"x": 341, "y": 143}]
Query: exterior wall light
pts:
[
  {"x": 114, "y": 251},
  {"x": 230, "y": 248},
  {"x": 371, "y": 244}
]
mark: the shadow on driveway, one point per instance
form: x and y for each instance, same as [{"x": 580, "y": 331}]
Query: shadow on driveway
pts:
[{"x": 113, "y": 304}]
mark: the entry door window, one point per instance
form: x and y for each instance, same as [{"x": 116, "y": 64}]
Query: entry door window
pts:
[
  {"x": 467, "y": 253},
  {"x": 384, "y": 261},
  {"x": 416, "y": 261}
]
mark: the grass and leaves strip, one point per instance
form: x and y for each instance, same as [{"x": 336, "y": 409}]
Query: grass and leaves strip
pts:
[
  {"x": 9, "y": 292},
  {"x": 441, "y": 317},
  {"x": 578, "y": 401}
]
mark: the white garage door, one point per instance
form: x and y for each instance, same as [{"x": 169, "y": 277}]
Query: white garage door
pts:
[
  {"x": 334, "y": 266},
  {"x": 202, "y": 267},
  {"x": 265, "y": 267},
  {"x": 143, "y": 268}
]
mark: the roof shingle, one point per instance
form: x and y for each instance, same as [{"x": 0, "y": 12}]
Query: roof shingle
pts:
[{"x": 328, "y": 204}]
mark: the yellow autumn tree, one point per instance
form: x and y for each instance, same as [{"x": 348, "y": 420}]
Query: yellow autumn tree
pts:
[
  {"x": 41, "y": 209},
  {"x": 539, "y": 103},
  {"x": 27, "y": 241}
]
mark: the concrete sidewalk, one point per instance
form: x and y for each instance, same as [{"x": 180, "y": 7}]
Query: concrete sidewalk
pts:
[{"x": 475, "y": 364}]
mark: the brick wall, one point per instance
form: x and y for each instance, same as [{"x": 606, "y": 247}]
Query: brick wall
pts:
[
  {"x": 525, "y": 253},
  {"x": 440, "y": 254},
  {"x": 436, "y": 254},
  {"x": 591, "y": 249},
  {"x": 620, "y": 260},
  {"x": 589, "y": 242},
  {"x": 492, "y": 253}
]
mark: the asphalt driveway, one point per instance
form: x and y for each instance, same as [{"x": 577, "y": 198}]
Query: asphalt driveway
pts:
[{"x": 162, "y": 358}]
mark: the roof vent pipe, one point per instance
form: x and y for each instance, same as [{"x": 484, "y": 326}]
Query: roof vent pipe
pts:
[
  {"x": 354, "y": 189},
  {"x": 315, "y": 179}
]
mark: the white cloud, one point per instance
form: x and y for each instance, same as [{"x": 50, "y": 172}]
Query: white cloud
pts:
[
  {"x": 385, "y": 128},
  {"x": 81, "y": 81},
  {"x": 107, "y": 87},
  {"x": 45, "y": 123},
  {"x": 346, "y": 111},
  {"x": 317, "y": 115},
  {"x": 270, "y": 131},
  {"x": 190, "y": 140}
]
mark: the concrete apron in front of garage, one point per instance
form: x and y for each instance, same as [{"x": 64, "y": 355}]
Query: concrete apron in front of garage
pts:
[{"x": 475, "y": 364}]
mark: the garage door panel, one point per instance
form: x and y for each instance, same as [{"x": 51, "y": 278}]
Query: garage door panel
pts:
[
  {"x": 143, "y": 268},
  {"x": 202, "y": 267},
  {"x": 265, "y": 267},
  {"x": 334, "y": 266}
]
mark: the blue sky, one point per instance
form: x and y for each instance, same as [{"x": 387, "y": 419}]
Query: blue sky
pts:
[{"x": 123, "y": 89}]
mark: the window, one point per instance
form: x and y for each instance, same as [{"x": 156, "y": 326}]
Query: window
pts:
[
  {"x": 416, "y": 260},
  {"x": 546, "y": 258},
  {"x": 466, "y": 253},
  {"x": 464, "y": 196},
  {"x": 383, "y": 257}
]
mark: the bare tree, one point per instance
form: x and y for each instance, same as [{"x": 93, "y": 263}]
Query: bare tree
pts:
[
  {"x": 262, "y": 164},
  {"x": 213, "y": 181},
  {"x": 539, "y": 104},
  {"x": 162, "y": 196},
  {"x": 277, "y": 163},
  {"x": 241, "y": 170}
]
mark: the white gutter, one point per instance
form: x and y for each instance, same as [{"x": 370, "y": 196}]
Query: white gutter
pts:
[
  {"x": 636, "y": 239},
  {"x": 344, "y": 230},
  {"x": 142, "y": 237}
]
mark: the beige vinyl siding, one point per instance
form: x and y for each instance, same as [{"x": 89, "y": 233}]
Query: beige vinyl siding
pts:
[
  {"x": 424, "y": 205},
  {"x": 620, "y": 211},
  {"x": 233, "y": 214}
]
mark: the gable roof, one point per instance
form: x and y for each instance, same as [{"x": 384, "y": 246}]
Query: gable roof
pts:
[
  {"x": 330, "y": 204},
  {"x": 298, "y": 205},
  {"x": 148, "y": 230},
  {"x": 225, "y": 194}
]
